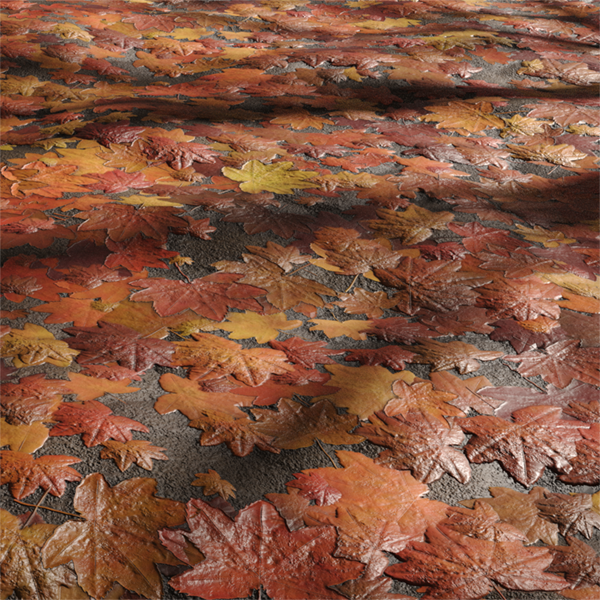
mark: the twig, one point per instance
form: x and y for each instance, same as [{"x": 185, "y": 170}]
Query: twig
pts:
[
  {"x": 35, "y": 509},
  {"x": 479, "y": 396},
  {"x": 353, "y": 282},
  {"x": 62, "y": 512},
  {"x": 326, "y": 453},
  {"x": 299, "y": 269},
  {"x": 179, "y": 269},
  {"x": 496, "y": 588},
  {"x": 539, "y": 387}
]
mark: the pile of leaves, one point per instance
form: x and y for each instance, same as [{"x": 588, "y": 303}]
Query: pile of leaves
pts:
[{"x": 314, "y": 224}]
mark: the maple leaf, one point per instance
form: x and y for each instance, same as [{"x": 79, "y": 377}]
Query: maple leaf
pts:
[
  {"x": 212, "y": 357},
  {"x": 562, "y": 362},
  {"x": 524, "y": 298},
  {"x": 522, "y": 512},
  {"x": 577, "y": 562},
  {"x": 23, "y": 438},
  {"x": 584, "y": 468},
  {"x": 564, "y": 155},
  {"x": 262, "y": 328},
  {"x": 209, "y": 296},
  {"x": 123, "y": 221},
  {"x": 297, "y": 426},
  {"x": 22, "y": 571},
  {"x": 398, "y": 329},
  {"x": 178, "y": 155},
  {"x": 370, "y": 523},
  {"x": 371, "y": 304},
  {"x": 352, "y": 328},
  {"x": 437, "y": 285},
  {"x": 94, "y": 421},
  {"x": 470, "y": 116},
  {"x": 211, "y": 483},
  {"x": 420, "y": 396},
  {"x": 362, "y": 390},
  {"x": 126, "y": 453},
  {"x": 113, "y": 342},
  {"x": 482, "y": 523},
  {"x": 283, "y": 291},
  {"x": 33, "y": 398},
  {"x": 576, "y": 513},
  {"x": 455, "y": 566},
  {"x": 277, "y": 178},
  {"x": 420, "y": 443},
  {"x": 25, "y": 474},
  {"x": 123, "y": 521},
  {"x": 414, "y": 225},
  {"x": 343, "y": 252},
  {"x": 34, "y": 345},
  {"x": 187, "y": 397},
  {"x": 238, "y": 434},
  {"x": 466, "y": 391},
  {"x": 137, "y": 253},
  {"x": 529, "y": 334},
  {"x": 392, "y": 357},
  {"x": 450, "y": 355},
  {"x": 306, "y": 354},
  {"x": 90, "y": 388},
  {"x": 537, "y": 438},
  {"x": 287, "y": 564}
]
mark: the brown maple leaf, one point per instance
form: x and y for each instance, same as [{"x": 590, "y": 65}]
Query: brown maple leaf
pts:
[
  {"x": 577, "y": 562},
  {"x": 211, "y": 357},
  {"x": 25, "y": 474},
  {"x": 140, "y": 452},
  {"x": 112, "y": 342},
  {"x": 451, "y": 355},
  {"x": 584, "y": 469},
  {"x": 211, "y": 483},
  {"x": 561, "y": 363},
  {"x": 420, "y": 443},
  {"x": 412, "y": 226},
  {"x": 209, "y": 296},
  {"x": 297, "y": 426},
  {"x": 482, "y": 523},
  {"x": 455, "y": 566},
  {"x": 94, "y": 421},
  {"x": 288, "y": 565},
  {"x": 123, "y": 221},
  {"x": 124, "y": 521},
  {"x": 22, "y": 571},
  {"x": 282, "y": 291},
  {"x": 438, "y": 285},
  {"x": 573, "y": 513},
  {"x": 537, "y": 438},
  {"x": 521, "y": 511},
  {"x": 306, "y": 354},
  {"x": 524, "y": 299}
]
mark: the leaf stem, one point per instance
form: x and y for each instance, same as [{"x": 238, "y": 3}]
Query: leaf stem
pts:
[
  {"x": 62, "y": 512},
  {"x": 179, "y": 269},
  {"x": 539, "y": 387},
  {"x": 496, "y": 588},
  {"x": 353, "y": 282},
  {"x": 35, "y": 508},
  {"x": 298, "y": 269},
  {"x": 326, "y": 453}
]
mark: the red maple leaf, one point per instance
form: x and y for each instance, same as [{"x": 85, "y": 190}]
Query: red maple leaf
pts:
[{"x": 209, "y": 296}]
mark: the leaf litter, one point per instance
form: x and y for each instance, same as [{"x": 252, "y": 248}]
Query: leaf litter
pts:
[{"x": 321, "y": 235}]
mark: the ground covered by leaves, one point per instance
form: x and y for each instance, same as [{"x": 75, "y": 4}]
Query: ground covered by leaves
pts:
[{"x": 337, "y": 258}]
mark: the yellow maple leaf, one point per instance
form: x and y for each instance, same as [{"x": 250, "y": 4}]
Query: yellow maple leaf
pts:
[
  {"x": 573, "y": 283},
  {"x": 362, "y": 390},
  {"x": 351, "y": 328},
  {"x": 277, "y": 178},
  {"x": 472, "y": 116},
  {"x": 550, "y": 239},
  {"x": 34, "y": 345},
  {"x": 301, "y": 119},
  {"x": 557, "y": 154},
  {"x": 261, "y": 327}
]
